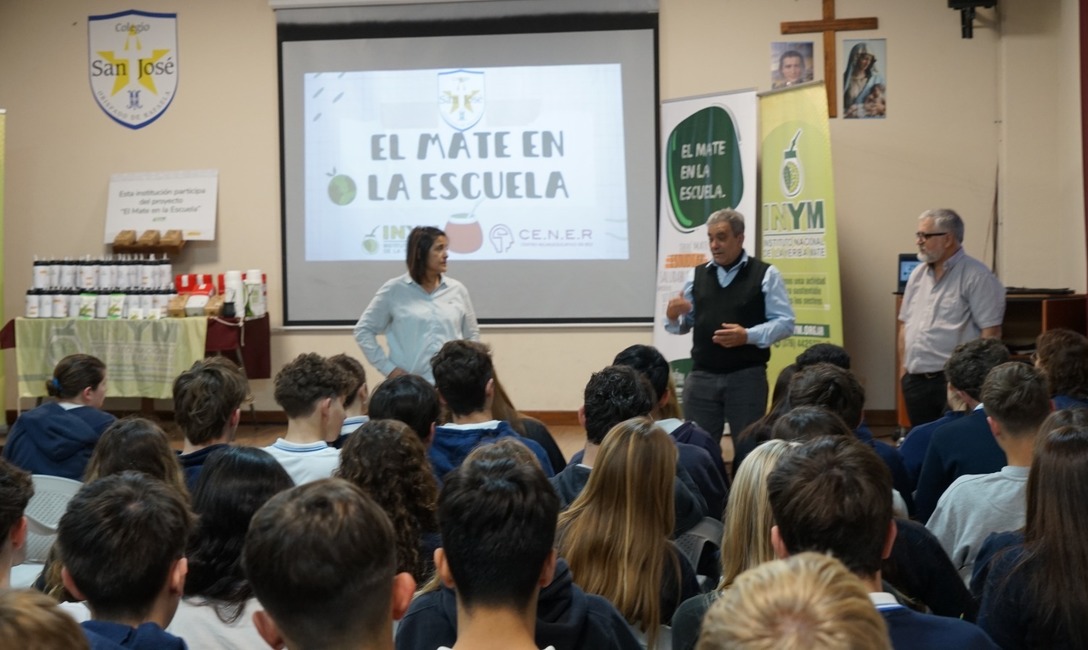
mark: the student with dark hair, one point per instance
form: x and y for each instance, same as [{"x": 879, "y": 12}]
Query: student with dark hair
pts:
[
  {"x": 408, "y": 399},
  {"x": 1035, "y": 594},
  {"x": 208, "y": 400},
  {"x": 566, "y": 616},
  {"x": 615, "y": 394},
  {"x": 966, "y": 445},
  {"x": 836, "y": 355},
  {"x": 707, "y": 468},
  {"x": 16, "y": 488},
  {"x": 1062, "y": 355},
  {"x": 216, "y": 611},
  {"x": 497, "y": 519},
  {"x": 122, "y": 546},
  {"x": 976, "y": 505},
  {"x": 838, "y": 390},
  {"x": 57, "y": 437},
  {"x": 833, "y": 495},
  {"x": 388, "y": 462},
  {"x": 465, "y": 379},
  {"x": 322, "y": 559},
  {"x": 311, "y": 391},
  {"x": 760, "y": 431},
  {"x": 417, "y": 311},
  {"x": 136, "y": 444},
  {"x": 355, "y": 404},
  {"x": 808, "y": 422}
]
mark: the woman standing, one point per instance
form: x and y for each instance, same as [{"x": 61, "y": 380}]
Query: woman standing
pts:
[
  {"x": 57, "y": 438},
  {"x": 418, "y": 311}
]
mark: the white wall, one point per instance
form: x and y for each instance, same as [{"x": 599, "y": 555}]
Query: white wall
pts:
[{"x": 957, "y": 110}]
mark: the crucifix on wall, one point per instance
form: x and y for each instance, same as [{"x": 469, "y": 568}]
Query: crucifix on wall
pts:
[{"x": 829, "y": 25}]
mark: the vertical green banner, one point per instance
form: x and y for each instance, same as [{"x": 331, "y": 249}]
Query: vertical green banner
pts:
[{"x": 797, "y": 215}]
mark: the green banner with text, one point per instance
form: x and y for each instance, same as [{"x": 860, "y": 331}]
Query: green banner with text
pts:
[{"x": 797, "y": 215}]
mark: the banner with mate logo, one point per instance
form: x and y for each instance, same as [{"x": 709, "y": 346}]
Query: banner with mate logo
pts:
[
  {"x": 133, "y": 64},
  {"x": 797, "y": 216},
  {"x": 708, "y": 163}
]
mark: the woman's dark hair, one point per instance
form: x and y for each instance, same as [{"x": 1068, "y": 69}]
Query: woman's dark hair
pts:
[
  {"x": 809, "y": 422},
  {"x": 420, "y": 241},
  {"x": 1055, "y": 552},
  {"x": 74, "y": 373},
  {"x": 136, "y": 444},
  {"x": 234, "y": 483},
  {"x": 760, "y": 430},
  {"x": 388, "y": 461}
]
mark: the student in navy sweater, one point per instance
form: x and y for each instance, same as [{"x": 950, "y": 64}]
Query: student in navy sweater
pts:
[
  {"x": 833, "y": 495},
  {"x": 57, "y": 438}
]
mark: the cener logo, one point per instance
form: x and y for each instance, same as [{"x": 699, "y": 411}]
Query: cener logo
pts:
[
  {"x": 461, "y": 98},
  {"x": 133, "y": 64}
]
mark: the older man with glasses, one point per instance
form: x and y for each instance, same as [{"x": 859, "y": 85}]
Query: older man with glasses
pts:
[{"x": 950, "y": 299}]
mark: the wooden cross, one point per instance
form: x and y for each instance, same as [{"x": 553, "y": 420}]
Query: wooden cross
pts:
[{"x": 829, "y": 25}]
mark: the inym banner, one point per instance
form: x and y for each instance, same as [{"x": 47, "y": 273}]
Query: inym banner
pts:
[{"x": 798, "y": 215}]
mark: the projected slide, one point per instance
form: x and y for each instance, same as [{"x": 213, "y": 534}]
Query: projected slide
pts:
[{"x": 514, "y": 163}]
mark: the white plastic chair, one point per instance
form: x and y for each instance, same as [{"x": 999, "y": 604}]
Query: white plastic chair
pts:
[{"x": 43, "y": 513}]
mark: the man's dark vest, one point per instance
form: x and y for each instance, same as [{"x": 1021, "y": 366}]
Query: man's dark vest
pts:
[{"x": 741, "y": 302}]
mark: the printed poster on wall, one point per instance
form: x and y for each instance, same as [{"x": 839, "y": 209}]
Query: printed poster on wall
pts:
[
  {"x": 708, "y": 164},
  {"x": 797, "y": 216},
  {"x": 133, "y": 64}
]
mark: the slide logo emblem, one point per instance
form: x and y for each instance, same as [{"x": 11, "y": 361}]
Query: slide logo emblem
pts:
[
  {"x": 133, "y": 64},
  {"x": 461, "y": 98}
]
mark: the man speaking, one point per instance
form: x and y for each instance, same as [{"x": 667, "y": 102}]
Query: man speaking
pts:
[{"x": 738, "y": 307}]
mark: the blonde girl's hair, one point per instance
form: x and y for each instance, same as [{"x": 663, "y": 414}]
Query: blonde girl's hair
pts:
[
  {"x": 746, "y": 541},
  {"x": 615, "y": 535}
]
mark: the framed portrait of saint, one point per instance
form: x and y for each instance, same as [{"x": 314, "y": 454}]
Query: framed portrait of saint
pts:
[
  {"x": 791, "y": 63},
  {"x": 865, "y": 79}
]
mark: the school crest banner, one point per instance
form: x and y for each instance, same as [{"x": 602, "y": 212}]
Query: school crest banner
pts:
[
  {"x": 708, "y": 163},
  {"x": 797, "y": 215},
  {"x": 133, "y": 64}
]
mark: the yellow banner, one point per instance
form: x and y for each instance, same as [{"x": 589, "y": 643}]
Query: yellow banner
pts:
[
  {"x": 142, "y": 357},
  {"x": 797, "y": 215}
]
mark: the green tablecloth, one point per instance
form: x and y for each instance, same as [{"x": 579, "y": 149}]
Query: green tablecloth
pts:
[{"x": 142, "y": 356}]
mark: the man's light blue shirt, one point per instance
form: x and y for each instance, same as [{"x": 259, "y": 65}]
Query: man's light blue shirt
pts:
[{"x": 778, "y": 310}]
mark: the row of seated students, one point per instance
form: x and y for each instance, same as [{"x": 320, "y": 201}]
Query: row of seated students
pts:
[{"x": 623, "y": 501}]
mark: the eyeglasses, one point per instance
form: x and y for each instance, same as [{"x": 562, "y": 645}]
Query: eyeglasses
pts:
[{"x": 928, "y": 235}]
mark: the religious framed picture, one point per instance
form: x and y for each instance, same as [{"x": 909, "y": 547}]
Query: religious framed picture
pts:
[
  {"x": 791, "y": 63},
  {"x": 865, "y": 79}
]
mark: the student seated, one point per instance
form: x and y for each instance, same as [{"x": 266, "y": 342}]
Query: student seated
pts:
[
  {"x": 833, "y": 495},
  {"x": 311, "y": 391},
  {"x": 122, "y": 546},
  {"x": 57, "y": 438},
  {"x": 388, "y": 462},
  {"x": 807, "y": 601},
  {"x": 497, "y": 519},
  {"x": 16, "y": 489},
  {"x": 321, "y": 558},
  {"x": 1062, "y": 355},
  {"x": 465, "y": 379},
  {"x": 217, "y": 608},
  {"x": 699, "y": 453},
  {"x": 566, "y": 616},
  {"x": 355, "y": 404},
  {"x": 615, "y": 535},
  {"x": 33, "y": 621},
  {"x": 208, "y": 399},
  {"x": 408, "y": 399},
  {"x": 613, "y": 395}
]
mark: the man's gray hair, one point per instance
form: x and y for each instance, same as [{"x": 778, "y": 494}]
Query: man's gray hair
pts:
[
  {"x": 731, "y": 217},
  {"x": 946, "y": 221}
]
